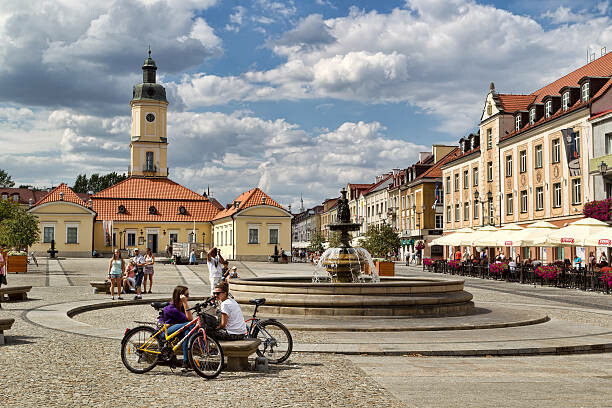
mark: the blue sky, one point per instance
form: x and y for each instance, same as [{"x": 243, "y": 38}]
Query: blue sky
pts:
[{"x": 296, "y": 97}]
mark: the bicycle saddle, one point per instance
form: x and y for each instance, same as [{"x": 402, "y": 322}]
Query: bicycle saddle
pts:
[
  {"x": 257, "y": 302},
  {"x": 159, "y": 305}
]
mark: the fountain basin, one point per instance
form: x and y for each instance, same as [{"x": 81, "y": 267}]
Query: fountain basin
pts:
[{"x": 399, "y": 297}]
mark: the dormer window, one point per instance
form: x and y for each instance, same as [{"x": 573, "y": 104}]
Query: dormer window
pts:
[
  {"x": 532, "y": 116},
  {"x": 565, "y": 101},
  {"x": 585, "y": 92},
  {"x": 152, "y": 210},
  {"x": 548, "y": 109},
  {"x": 15, "y": 197},
  {"x": 121, "y": 209},
  {"x": 517, "y": 122},
  {"x": 182, "y": 210},
  {"x": 4, "y": 196}
]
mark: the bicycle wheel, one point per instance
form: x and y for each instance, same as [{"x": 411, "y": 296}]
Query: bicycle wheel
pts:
[
  {"x": 276, "y": 341},
  {"x": 136, "y": 360},
  {"x": 205, "y": 356}
]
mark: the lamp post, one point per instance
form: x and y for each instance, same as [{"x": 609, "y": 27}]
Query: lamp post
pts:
[
  {"x": 490, "y": 202},
  {"x": 603, "y": 169}
]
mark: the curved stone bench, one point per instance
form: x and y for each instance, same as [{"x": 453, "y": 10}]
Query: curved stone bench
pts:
[
  {"x": 101, "y": 286},
  {"x": 5, "y": 324},
  {"x": 237, "y": 353},
  {"x": 15, "y": 292}
]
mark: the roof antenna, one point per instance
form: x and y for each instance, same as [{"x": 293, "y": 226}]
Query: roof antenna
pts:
[
  {"x": 603, "y": 51},
  {"x": 208, "y": 190}
]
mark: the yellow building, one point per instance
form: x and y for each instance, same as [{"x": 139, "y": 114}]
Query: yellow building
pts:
[
  {"x": 150, "y": 210},
  {"x": 252, "y": 227}
]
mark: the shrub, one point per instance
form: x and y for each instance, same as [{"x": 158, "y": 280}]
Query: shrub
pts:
[
  {"x": 599, "y": 210},
  {"x": 547, "y": 272}
]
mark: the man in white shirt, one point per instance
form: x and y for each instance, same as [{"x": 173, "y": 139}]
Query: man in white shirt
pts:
[{"x": 215, "y": 268}]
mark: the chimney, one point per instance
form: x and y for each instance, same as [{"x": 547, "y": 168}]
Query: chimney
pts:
[
  {"x": 236, "y": 204},
  {"x": 263, "y": 200},
  {"x": 90, "y": 203},
  {"x": 289, "y": 207},
  {"x": 31, "y": 202},
  {"x": 61, "y": 196},
  {"x": 423, "y": 156}
]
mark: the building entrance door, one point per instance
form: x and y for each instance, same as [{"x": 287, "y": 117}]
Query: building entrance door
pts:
[{"x": 152, "y": 242}]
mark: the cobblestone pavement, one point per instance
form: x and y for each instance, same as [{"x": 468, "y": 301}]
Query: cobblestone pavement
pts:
[{"x": 50, "y": 368}]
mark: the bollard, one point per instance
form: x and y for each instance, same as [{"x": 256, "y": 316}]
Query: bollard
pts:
[{"x": 261, "y": 364}]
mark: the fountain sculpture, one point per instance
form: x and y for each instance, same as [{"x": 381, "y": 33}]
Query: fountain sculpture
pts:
[{"x": 345, "y": 264}]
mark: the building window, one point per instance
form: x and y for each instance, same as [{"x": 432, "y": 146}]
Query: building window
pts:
[
  {"x": 149, "y": 166},
  {"x": 491, "y": 212},
  {"x": 131, "y": 238},
  {"x": 475, "y": 176},
  {"x": 457, "y": 182},
  {"x": 457, "y": 213},
  {"x": 608, "y": 139},
  {"x": 557, "y": 195},
  {"x": 556, "y": 151},
  {"x": 538, "y": 156},
  {"x": 489, "y": 138},
  {"x": 253, "y": 234},
  {"x": 273, "y": 233},
  {"x": 548, "y": 109},
  {"x": 509, "y": 204},
  {"x": 448, "y": 187},
  {"x": 532, "y": 114},
  {"x": 448, "y": 213},
  {"x": 490, "y": 171},
  {"x": 4, "y": 196},
  {"x": 576, "y": 191},
  {"x": 585, "y": 92},
  {"x": 517, "y": 122},
  {"x": 539, "y": 198},
  {"x": 466, "y": 179},
  {"x": 577, "y": 143},
  {"x": 48, "y": 234},
  {"x": 475, "y": 209},
  {"x": 523, "y": 161},
  {"x": 524, "y": 201},
  {"x": 72, "y": 234},
  {"x": 565, "y": 100},
  {"x": 508, "y": 166},
  {"x": 466, "y": 211},
  {"x": 15, "y": 197},
  {"x": 439, "y": 223}
]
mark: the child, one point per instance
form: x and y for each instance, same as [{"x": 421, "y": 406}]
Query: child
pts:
[{"x": 129, "y": 280}]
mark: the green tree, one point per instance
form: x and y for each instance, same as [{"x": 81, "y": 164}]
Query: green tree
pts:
[
  {"x": 80, "y": 184},
  {"x": 380, "y": 241},
  {"x": 334, "y": 239},
  {"x": 20, "y": 230},
  {"x": 7, "y": 209},
  {"x": 316, "y": 242},
  {"x": 5, "y": 179},
  {"x": 96, "y": 182}
]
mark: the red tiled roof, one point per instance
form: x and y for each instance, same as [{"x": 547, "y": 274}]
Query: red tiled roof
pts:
[
  {"x": 385, "y": 178},
  {"x": 435, "y": 171},
  {"x": 456, "y": 155},
  {"x": 512, "y": 103},
  {"x": 167, "y": 210},
  {"x": 600, "y": 114},
  {"x": 601, "y": 67},
  {"x": 54, "y": 195},
  {"x": 217, "y": 204},
  {"x": 24, "y": 194},
  {"x": 149, "y": 188},
  {"x": 247, "y": 199}
]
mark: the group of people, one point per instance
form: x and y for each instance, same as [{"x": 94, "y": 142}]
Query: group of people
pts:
[
  {"x": 231, "y": 327},
  {"x": 128, "y": 277}
]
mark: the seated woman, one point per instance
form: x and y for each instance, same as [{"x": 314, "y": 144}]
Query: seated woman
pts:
[
  {"x": 177, "y": 315},
  {"x": 232, "y": 325}
]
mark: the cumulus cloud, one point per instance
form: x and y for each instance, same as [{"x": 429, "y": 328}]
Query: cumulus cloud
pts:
[{"x": 434, "y": 56}]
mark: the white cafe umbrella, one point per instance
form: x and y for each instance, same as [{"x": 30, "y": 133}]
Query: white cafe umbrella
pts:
[
  {"x": 527, "y": 236},
  {"x": 492, "y": 239},
  {"x": 452, "y": 239},
  {"x": 469, "y": 240},
  {"x": 579, "y": 234}
]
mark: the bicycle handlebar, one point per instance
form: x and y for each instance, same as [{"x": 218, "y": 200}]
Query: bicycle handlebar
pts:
[{"x": 198, "y": 306}]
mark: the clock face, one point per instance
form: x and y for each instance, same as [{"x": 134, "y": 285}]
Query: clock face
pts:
[{"x": 150, "y": 117}]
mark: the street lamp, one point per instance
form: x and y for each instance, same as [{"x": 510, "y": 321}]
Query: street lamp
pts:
[{"x": 603, "y": 168}]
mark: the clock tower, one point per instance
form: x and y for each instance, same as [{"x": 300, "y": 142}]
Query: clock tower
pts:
[{"x": 149, "y": 141}]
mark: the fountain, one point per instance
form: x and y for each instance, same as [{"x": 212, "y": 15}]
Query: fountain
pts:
[
  {"x": 346, "y": 283},
  {"x": 345, "y": 264}
]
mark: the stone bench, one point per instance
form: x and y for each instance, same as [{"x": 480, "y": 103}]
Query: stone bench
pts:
[
  {"x": 15, "y": 292},
  {"x": 5, "y": 324},
  {"x": 237, "y": 353},
  {"x": 101, "y": 286}
]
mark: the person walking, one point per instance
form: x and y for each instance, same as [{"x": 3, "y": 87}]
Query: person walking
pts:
[
  {"x": 139, "y": 262},
  {"x": 215, "y": 271},
  {"x": 116, "y": 267},
  {"x": 2, "y": 273},
  {"x": 149, "y": 261},
  {"x": 192, "y": 257}
]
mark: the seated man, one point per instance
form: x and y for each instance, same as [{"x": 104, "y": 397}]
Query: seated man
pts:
[
  {"x": 232, "y": 325},
  {"x": 230, "y": 274}
]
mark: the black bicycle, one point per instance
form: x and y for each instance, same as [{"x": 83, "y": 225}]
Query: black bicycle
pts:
[{"x": 276, "y": 341}]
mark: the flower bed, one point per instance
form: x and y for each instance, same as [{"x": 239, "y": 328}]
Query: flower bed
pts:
[
  {"x": 606, "y": 278},
  {"x": 498, "y": 268},
  {"x": 600, "y": 210},
  {"x": 547, "y": 272},
  {"x": 428, "y": 262},
  {"x": 454, "y": 264}
]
